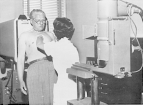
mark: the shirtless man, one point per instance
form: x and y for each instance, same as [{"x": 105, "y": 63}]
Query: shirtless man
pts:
[{"x": 40, "y": 73}]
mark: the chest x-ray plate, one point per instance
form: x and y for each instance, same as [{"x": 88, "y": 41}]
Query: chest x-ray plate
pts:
[{"x": 10, "y": 31}]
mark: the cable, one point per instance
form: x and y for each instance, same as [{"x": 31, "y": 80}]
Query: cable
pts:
[{"x": 135, "y": 34}]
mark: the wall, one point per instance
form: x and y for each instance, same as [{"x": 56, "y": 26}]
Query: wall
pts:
[
  {"x": 10, "y": 9},
  {"x": 82, "y": 12}
]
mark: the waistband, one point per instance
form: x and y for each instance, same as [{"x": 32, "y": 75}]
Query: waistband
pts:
[{"x": 34, "y": 61}]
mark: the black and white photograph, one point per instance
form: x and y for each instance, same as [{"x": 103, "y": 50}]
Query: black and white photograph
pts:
[{"x": 71, "y": 52}]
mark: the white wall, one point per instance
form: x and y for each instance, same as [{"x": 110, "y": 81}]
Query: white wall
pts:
[
  {"x": 82, "y": 12},
  {"x": 10, "y": 9}
]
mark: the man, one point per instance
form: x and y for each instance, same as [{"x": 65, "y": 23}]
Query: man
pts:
[
  {"x": 40, "y": 73},
  {"x": 64, "y": 54}
]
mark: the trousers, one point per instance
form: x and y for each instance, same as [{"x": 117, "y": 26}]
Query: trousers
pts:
[{"x": 40, "y": 83}]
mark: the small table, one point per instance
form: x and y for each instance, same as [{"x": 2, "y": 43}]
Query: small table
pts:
[{"x": 82, "y": 71}]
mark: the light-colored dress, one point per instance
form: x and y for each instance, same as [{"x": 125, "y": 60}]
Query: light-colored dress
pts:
[{"x": 64, "y": 54}]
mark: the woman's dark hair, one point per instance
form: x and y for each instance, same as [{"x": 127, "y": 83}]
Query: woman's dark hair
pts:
[{"x": 63, "y": 27}]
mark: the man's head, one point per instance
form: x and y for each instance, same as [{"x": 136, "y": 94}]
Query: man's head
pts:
[
  {"x": 38, "y": 19},
  {"x": 63, "y": 27}
]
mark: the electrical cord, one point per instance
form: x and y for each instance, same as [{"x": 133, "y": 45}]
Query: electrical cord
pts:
[{"x": 135, "y": 34}]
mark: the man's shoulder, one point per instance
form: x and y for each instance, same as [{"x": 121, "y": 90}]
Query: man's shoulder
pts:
[
  {"x": 48, "y": 33},
  {"x": 52, "y": 35},
  {"x": 26, "y": 33}
]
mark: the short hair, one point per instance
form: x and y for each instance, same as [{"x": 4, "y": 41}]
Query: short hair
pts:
[
  {"x": 35, "y": 11},
  {"x": 63, "y": 27}
]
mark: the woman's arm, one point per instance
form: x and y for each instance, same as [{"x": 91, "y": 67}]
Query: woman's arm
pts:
[{"x": 40, "y": 43}]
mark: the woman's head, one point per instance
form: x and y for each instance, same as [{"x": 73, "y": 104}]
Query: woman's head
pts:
[{"x": 63, "y": 27}]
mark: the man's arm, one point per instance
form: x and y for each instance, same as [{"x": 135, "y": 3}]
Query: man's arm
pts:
[{"x": 20, "y": 62}]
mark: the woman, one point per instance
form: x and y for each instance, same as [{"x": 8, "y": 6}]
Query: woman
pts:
[{"x": 64, "y": 54}]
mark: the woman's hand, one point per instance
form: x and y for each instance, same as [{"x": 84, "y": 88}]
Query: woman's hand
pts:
[{"x": 39, "y": 42}]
